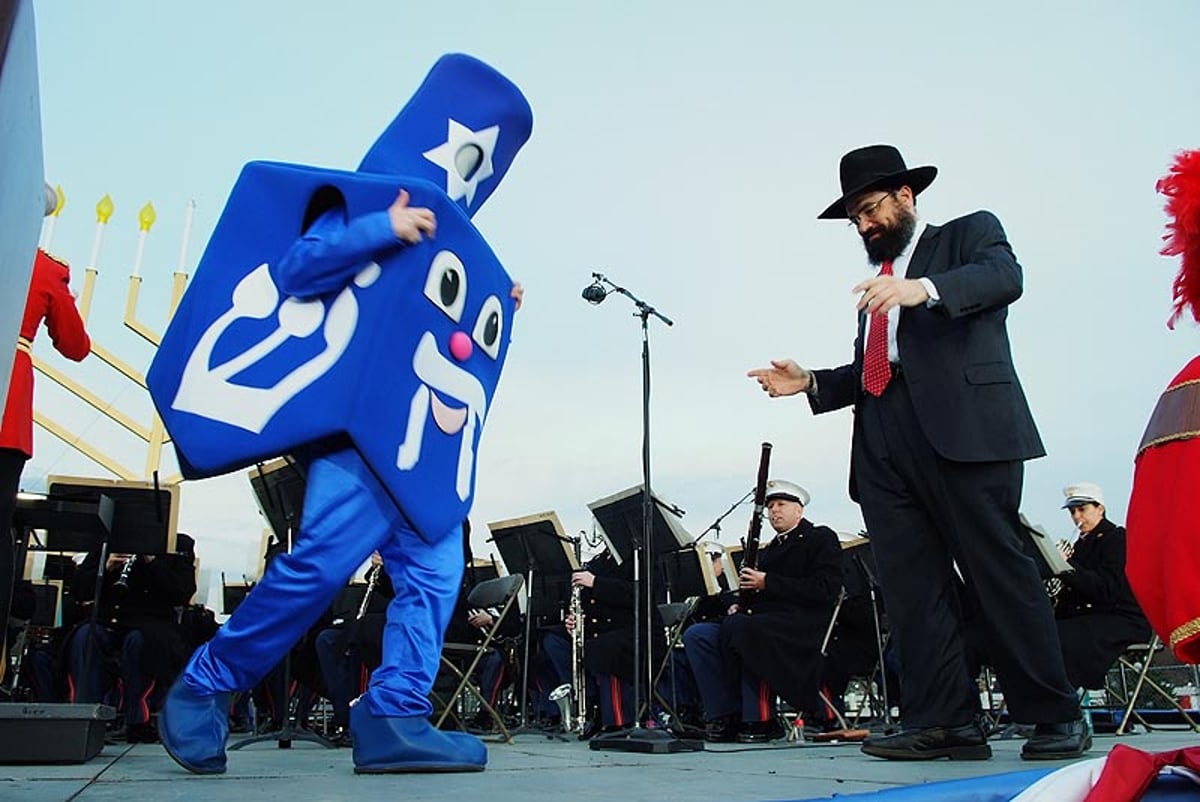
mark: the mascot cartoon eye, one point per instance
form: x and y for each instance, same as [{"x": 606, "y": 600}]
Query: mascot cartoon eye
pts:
[
  {"x": 446, "y": 284},
  {"x": 488, "y": 326}
]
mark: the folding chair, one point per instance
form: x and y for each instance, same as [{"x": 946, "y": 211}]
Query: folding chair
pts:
[
  {"x": 674, "y": 617},
  {"x": 1137, "y": 658},
  {"x": 500, "y": 594}
]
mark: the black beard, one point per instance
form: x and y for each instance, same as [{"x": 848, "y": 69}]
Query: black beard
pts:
[{"x": 892, "y": 241}]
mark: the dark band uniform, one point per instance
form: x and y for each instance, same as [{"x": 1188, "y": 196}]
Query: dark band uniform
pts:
[
  {"x": 772, "y": 645},
  {"x": 1096, "y": 612},
  {"x": 138, "y": 624},
  {"x": 779, "y": 636}
]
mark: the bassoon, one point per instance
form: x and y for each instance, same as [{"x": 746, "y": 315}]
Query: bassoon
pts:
[{"x": 750, "y": 553}]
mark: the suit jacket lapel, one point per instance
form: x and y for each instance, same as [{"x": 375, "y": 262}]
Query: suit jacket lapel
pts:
[{"x": 918, "y": 265}]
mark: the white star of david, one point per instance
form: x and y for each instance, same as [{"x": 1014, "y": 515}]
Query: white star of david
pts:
[{"x": 458, "y": 138}]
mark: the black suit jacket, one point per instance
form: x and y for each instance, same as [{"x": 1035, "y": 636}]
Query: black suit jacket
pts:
[{"x": 956, "y": 357}]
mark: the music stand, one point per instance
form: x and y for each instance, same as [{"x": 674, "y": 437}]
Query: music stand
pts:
[
  {"x": 145, "y": 520},
  {"x": 1045, "y": 552},
  {"x": 536, "y": 547},
  {"x": 863, "y": 560},
  {"x": 620, "y": 518},
  {"x": 279, "y": 489},
  {"x": 688, "y": 572},
  {"x": 233, "y": 594},
  {"x": 145, "y": 515},
  {"x": 625, "y": 530}
]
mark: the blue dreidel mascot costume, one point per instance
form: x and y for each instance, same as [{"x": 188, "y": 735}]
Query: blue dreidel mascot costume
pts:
[{"x": 311, "y": 329}]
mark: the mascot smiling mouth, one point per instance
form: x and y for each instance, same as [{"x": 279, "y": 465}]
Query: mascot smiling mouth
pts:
[
  {"x": 440, "y": 374},
  {"x": 448, "y": 419}
]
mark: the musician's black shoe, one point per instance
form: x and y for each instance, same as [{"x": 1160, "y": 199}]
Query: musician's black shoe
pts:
[
  {"x": 759, "y": 732},
  {"x": 722, "y": 730},
  {"x": 145, "y": 733},
  {"x": 590, "y": 730},
  {"x": 1057, "y": 741},
  {"x": 957, "y": 743}
]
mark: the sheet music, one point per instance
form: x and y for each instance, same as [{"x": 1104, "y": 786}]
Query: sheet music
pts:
[{"x": 1047, "y": 547}]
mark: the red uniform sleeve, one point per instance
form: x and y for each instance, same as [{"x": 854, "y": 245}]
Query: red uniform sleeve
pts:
[{"x": 63, "y": 322}]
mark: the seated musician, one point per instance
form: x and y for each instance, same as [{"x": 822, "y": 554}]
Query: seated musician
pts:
[
  {"x": 352, "y": 647},
  {"x": 770, "y": 645},
  {"x": 607, "y": 596},
  {"x": 471, "y": 626},
  {"x": 1096, "y": 612},
  {"x": 137, "y": 627}
]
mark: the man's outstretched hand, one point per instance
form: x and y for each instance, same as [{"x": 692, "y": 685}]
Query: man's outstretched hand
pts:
[{"x": 784, "y": 377}]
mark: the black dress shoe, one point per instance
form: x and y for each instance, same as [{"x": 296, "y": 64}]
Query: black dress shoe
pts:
[
  {"x": 590, "y": 730},
  {"x": 957, "y": 743},
  {"x": 1057, "y": 741},
  {"x": 759, "y": 732},
  {"x": 722, "y": 730},
  {"x": 144, "y": 733}
]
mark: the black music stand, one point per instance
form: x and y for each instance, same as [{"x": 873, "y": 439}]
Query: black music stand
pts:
[
  {"x": 688, "y": 572},
  {"x": 145, "y": 520},
  {"x": 145, "y": 516},
  {"x": 536, "y": 547},
  {"x": 1039, "y": 545},
  {"x": 864, "y": 562},
  {"x": 233, "y": 594},
  {"x": 279, "y": 488},
  {"x": 625, "y": 530}
]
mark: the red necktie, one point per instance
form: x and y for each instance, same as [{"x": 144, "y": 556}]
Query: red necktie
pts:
[{"x": 877, "y": 371}]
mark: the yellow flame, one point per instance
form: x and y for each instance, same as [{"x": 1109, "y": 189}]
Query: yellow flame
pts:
[
  {"x": 104, "y": 209},
  {"x": 147, "y": 216},
  {"x": 61, "y": 200}
]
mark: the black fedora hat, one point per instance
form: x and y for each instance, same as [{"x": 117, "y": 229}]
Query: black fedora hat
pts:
[{"x": 875, "y": 167}]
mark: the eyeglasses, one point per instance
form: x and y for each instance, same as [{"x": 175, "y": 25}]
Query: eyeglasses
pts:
[{"x": 868, "y": 211}]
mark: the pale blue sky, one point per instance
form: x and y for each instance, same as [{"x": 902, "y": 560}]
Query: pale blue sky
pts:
[{"x": 684, "y": 149}]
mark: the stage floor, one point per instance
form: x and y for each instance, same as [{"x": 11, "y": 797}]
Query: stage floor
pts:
[{"x": 531, "y": 768}]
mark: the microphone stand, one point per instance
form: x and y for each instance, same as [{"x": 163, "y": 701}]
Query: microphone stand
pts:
[
  {"x": 715, "y": 526},
  {"x": 639, "y": 738}
]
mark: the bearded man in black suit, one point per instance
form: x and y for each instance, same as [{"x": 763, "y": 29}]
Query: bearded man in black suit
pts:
[{"x": 941, "y": 433}]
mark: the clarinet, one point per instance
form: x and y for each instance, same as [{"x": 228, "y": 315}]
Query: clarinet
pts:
[
  {"x": 126, "y": 569},
  {"x": 750, "y": 554},
  {"x": 366, "y": 600},
  {"x": 353, "y": 627}
]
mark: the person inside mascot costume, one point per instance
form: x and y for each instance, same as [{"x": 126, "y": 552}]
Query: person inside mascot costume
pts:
[{"x": 358, "y": 321}]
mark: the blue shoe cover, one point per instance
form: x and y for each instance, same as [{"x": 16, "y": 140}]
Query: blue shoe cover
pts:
[
  {"x": 397, "y": 744},
  {"x": 193, "y": 728}
]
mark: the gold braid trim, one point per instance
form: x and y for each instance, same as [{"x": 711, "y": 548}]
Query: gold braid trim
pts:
[
  {"x": 1176, "y": 416},
  {"x": 1182, "y": 633},
  {"x": 25, "y": 344}
]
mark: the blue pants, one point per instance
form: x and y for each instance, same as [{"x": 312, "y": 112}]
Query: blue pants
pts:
[
  {"x": 722, "y": 691},
  {"x": 347, "y": 515}
]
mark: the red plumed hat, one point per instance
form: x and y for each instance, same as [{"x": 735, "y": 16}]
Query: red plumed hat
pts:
[{"x": 1182, "y": 189}]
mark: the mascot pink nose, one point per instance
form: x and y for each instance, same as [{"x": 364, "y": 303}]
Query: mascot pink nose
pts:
[{"x": 460, "y": 346}]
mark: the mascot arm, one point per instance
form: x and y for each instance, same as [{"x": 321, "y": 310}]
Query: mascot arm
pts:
[{"x": 331, "y": 251}]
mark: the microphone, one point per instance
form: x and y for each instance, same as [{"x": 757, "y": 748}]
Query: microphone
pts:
[{"x": 594, "y": 293}]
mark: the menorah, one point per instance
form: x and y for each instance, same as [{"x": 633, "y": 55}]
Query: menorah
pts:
[{"x": 153, "y": 435}]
